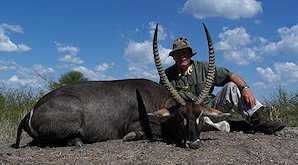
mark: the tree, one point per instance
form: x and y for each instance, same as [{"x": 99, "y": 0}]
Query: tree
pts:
[{"x": 71, "y": 77}]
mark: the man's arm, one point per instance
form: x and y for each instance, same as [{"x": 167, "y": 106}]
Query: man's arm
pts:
[{"x": 244, "y": 90}]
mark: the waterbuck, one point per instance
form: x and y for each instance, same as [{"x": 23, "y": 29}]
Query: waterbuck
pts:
[{"x": 96, "y": 111}]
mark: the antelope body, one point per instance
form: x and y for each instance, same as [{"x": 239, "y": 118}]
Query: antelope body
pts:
[{"x": 102, "y": 110}]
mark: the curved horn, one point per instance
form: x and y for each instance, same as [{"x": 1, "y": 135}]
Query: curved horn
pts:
[
  {"x": 163, "y": 77},
  {"x": 211, "y": 70}
]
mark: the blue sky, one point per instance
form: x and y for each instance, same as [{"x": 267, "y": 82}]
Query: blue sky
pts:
[{"x": 40, "y": 40}]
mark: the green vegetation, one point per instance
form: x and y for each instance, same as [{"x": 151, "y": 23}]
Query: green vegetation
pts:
[
  {"x": 282, "y": 105},
  {"x": 66, "y": 79},
  {"x": 14, "y": 104}
]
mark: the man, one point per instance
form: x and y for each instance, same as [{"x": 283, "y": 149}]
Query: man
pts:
[{"x": 189, "y": 76}]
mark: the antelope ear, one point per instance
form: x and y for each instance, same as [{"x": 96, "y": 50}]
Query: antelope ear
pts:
[
  {"x": 170, "y": 103},
  {"x": 159, "y": 116},
  {"x": 215, "y": 115},
  {"x": 214, "y": 112}
]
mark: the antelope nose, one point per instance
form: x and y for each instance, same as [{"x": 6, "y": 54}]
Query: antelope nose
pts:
[{"x": 193, "y": 144}]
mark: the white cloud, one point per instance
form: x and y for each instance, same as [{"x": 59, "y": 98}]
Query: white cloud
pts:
[
  {"x": 71, "y": 54},
  {"x": 141, "y": 71},
  {"x": 88, "y": 73},
  {"x": 138, "y": 52},
  {"x": 139, "y": 55},
  {"x": 92, "y": 75},
  {"x": 288, "y": 43},
  {"x": 162, "y": 35},
  {"x": 242, "y": 57},
  {"x": 288, "y": 71},
  {"x": 103, "y": 67},
  {"x": 13, "y": 66},
  {"x": 234, "y": 43},
  {"x": 142, "y": 53},
  {"x": 13, "y": 28},
  {"x": 232, "y": 9},
  {"x": 71, "y": 59},
  {"x": 6, "y": 44},
  {"x": 42, "y": 71},
  {"x": 4, "y": 66},
  {"x": 17, "y": 81},
  {"x": 35, "y": 76},
  {"x": 239, "y": 47},
  {"x": 281, "y": 74},
  {"x": 38, "y": 75},
  {"x": 233, "y": 38},
  {"x": 268, "y": 74}
]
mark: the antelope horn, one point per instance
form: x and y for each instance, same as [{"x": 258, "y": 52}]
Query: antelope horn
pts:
[
  {"x": 163, "y": 77},
  {"x": 211, "y": 70}
]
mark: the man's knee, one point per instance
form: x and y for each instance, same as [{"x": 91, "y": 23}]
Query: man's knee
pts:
[{"x": 231, "y": 86}]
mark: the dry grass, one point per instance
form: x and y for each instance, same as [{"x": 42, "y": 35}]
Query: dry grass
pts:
[
  {"x": 14, "y": 105},
  {"x": 8, "y": 129}
]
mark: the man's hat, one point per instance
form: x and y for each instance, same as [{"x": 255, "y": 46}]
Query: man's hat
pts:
[{"x": 181, "y": 43}]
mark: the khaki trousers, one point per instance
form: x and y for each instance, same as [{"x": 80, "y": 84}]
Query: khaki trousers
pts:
[{"x": 229, "y": 99}]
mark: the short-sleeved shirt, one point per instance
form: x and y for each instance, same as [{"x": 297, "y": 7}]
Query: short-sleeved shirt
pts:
[{"x": 190, "y": 84}]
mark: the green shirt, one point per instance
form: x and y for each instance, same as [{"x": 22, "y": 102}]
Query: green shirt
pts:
[{"x": 189, "y": 85}]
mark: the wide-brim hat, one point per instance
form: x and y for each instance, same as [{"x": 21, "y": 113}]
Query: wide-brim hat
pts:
[{"x": 181, "y": 43}]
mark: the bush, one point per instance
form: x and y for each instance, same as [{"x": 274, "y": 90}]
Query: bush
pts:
[
  {"x": 71, "y": 77},
  {"x": 283, "y": 106},
  {"x": 14, "y": 105}
]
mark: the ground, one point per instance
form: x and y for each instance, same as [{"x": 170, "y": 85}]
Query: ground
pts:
[{"x": 216, "y": 148}]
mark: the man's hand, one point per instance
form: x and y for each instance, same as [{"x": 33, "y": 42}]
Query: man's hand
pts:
[
  {"x": 246, "y": 93},
  {"x": 249, "y": 97}
]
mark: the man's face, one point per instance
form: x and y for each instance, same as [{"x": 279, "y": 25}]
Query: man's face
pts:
[{"x": 182, "y": 57}]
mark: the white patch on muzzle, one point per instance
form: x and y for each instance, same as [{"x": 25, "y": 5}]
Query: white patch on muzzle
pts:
[
  {"x": 187, "y": 144},
  {"x": 33, "y": 131}
]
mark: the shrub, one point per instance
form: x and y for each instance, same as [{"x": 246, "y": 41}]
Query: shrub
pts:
[
  {"x": 14, "y": 104},
  {"x": 283, "y": 105}
]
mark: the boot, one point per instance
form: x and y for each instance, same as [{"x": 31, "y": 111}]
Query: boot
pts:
[{"x": 262, "y": 124}]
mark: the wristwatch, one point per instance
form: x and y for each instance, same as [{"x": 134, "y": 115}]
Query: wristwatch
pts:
[{"x": 244, "y": 86}]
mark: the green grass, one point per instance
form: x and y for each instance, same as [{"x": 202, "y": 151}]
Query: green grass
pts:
[
  {"x": 14, "y": 105},
  {"x": 282, "y": 105}
]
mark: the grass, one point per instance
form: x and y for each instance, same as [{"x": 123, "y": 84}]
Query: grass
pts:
[
  {"x": 14, "y": 105},
  {"x": 283, "y": 105}
]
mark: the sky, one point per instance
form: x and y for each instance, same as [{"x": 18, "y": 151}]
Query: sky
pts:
[{"x": 108, "y": 40}]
